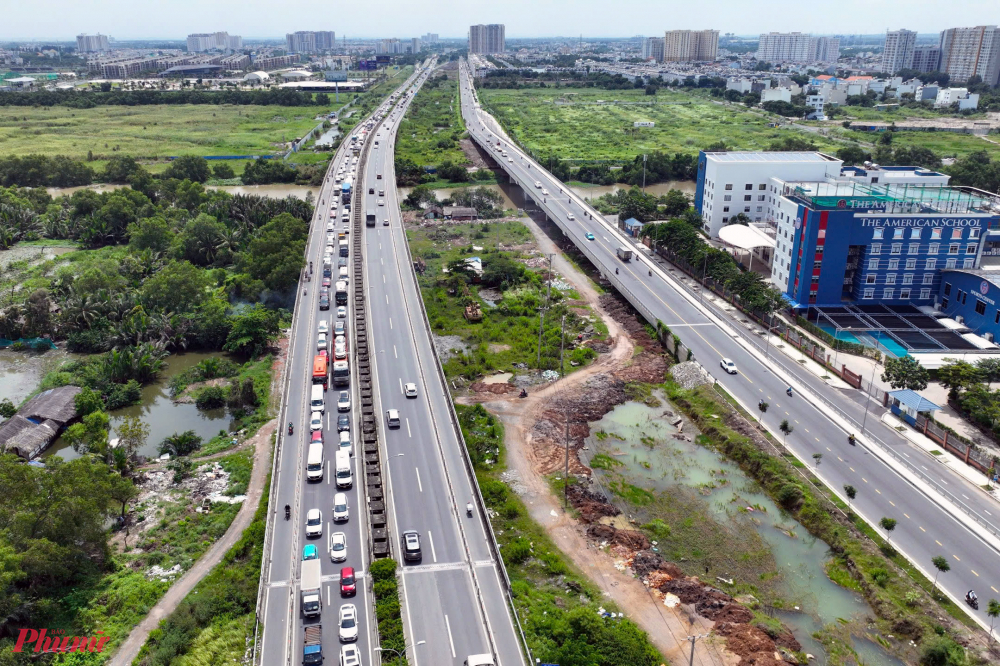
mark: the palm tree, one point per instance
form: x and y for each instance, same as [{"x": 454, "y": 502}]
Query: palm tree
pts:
[{"x": 993, "y": 610}]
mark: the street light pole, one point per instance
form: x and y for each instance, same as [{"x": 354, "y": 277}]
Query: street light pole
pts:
[
  {"x": 868, "y": 398},
  {"x": 643, "y": 173},
  {"x": 396, "y": 652}
]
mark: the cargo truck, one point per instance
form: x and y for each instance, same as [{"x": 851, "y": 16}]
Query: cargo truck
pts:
[
  {"x": 310, "y": 590},
  {"x": 341, "y": 373},
  {"x": 341, "y": 292},
  {"x": 624, "y": 253},
  {"x": 370, "y": 217},
  {"x": 312, "y": 650}
]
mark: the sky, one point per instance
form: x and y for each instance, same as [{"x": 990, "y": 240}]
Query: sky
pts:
[{"x": 174, "y": 19}]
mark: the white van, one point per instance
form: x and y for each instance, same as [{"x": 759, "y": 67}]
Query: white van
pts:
[
  {"x": 315, "y": 462},
  {"x": 318, "y": 402},
  {"x": 345, "y": 478},
  {"x": 392, "y": 418}
]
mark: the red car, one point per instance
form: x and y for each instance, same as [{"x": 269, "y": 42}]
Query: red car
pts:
[
  {"x": 317, "y": 437},
  {"x": 348, "y": 588},
  {"x": 327, "y": 282}
]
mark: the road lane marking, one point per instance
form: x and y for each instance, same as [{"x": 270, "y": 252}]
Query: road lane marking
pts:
[
  {"x": 851, "y": 468},
  {"x": 864, "y": 479},
  {"x": 450, "y": 639},
  {"x": 430, "y": 539},
  {"x": 419, "y": 485},
  {"x": 878, "y": 491},
  {"x": 390, "y": 323},
  {"x": 840, "y": 459},
  {"x": 829, "y": 449},
  {"x": 938, "y": 542},
  {"x": 957, "y": 557},
  {"x": 994, "y": 589},
  {"x": 921, "y": 529},
  {"x": 974, "y": 571},
  {"x": 400, "y": 379},
  {"x": 408, "y": 433},
  {"x": 327, "y": 472},
  {"x": 387, "y": 299},
  {"x": 904, "y": 513},
  {"x": 890, "y": 501}
]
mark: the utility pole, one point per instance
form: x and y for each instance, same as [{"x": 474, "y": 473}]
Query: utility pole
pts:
[
  {"x": 566, "y": 471},
  {"x": 548, "y": 281},
  {"x": 562, "y": 349},
  {"x": 644, "y": 173},
  {"x": 693, "y": 639},
  {"x": 541, "y": 325}
]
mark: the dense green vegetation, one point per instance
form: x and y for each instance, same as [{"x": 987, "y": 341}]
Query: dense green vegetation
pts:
[
  {"x": 557, "y": 605},
  {"x": 508, "y": 332},
  {"x": 385, "y": 587},
  {"x": 969, "y": 390},
  {"x": 365, "y": 103},
  {"x": 62, "y": 572},
  {"x": 429, "y": 133}
]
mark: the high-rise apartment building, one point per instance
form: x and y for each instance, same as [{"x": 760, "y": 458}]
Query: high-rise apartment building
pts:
[
  {"x": 967, "y": 52},
  {"x": 92, "y": 43},
  {"x": 309, "y": 41},
  {"x": 926, "y": 58},
  {"x": 898, "y": 53},
  {"x": 652, "y": 49},
  {"x": 431, "y": 38},
  {"x": 415, "y": 45},
  {"x": 690, "y": 45},
  {"x": 824, "y": 49},
  {"x": 213, "y": 41},
  {"x": 487, "y": 38},
  {"x": 784, "y": 47}
]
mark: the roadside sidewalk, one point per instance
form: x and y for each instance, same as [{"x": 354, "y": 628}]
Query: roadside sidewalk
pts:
[{"x": 942, "y": 457}]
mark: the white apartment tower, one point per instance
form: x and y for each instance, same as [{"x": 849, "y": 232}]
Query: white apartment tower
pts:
[
  {"x": 92, "y": 43},
  {"x": 967, "y": 52},
  {"x": 690, "y": 45},
  {"x": 213, "y": 41},
  {"x": 784, "y": 47},
  {"x": 486, "y": 39},
  {"x": 898, "y": 53},
  {"x": 652, "y": 49},
  {"x": 308, "y": 41},
  {"x": 824, "y": 49}
]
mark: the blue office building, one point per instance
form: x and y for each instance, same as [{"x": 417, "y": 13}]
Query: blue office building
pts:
[
  {"x": 972, "y": 298},
  {"x": 847, "y": 242}
]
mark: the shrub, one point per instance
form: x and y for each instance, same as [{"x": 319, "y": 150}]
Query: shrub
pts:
[
  {"x": 790, "y": 496},
  {"x": 942, "y": 652},
  {"x": 181, "y": 444},
  {"x": 211, "y": 397},
  {"x": 517, "y": 551},
  {"x": 880, "y": 576}
]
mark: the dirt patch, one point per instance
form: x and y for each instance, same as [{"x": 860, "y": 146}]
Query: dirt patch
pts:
[
  {"x": 474, "y": 153},
  {"x": 496, "y": 348},
  {"x": 495, "y": 389},
  {"x": 751, "y": 643}
]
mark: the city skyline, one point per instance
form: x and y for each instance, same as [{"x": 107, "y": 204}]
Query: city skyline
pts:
[{"x": 173, "y": 19}]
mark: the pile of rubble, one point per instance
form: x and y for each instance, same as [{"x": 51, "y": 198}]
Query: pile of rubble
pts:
[{"x": 690, "y": 374}]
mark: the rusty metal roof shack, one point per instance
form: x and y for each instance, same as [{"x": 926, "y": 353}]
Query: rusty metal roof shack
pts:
[{"x": 38, "y": 422}]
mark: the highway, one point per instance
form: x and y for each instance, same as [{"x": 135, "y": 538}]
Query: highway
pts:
[
  {"x": 454, "y": 601},
  {"x": 893, "y": 479},
  {"x": 282, "y": 633}
]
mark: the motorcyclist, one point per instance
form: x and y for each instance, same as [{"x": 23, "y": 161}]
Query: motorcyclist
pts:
[
  {"x": 789, "y": 391},
  {"x": 616, "y": 270},
  {"x": 288, "y": 511},
  {"x": 971, "y": 597},
  {"x": 850, "y": 438},
  {"x": 290, "y": 428}
]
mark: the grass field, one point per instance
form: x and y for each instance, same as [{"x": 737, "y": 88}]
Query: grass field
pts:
[
  {"x": 153, "y": 131},
  {"x": 586, "y": 123},
  {"x": 430, "y": 130},
  {"x": 944, "y": 144}
]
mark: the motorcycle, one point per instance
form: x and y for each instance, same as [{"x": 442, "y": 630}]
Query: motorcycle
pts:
[
  {"x": 789, "y": 391},
  {"x": 290, "y": 428},
  {"x": 468, "y": 508},
  {"x": 972, "y": 599},
  {"x": 524, "y": 393},
  {"x": 850, "y": 440},
  {"x": 288, "y": 512}
]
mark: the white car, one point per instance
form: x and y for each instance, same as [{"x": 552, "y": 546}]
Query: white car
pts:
[
  {"x": 569, "y": 216},
  {"x": 344, "y": 402},
  {"x": 321, "y": 341},
  {"x": 349, "y": 656},
  {"x": 385, "y": 222},
  {"x": 410, "y": 390},
  {"x": 381, "y": 202},
  {"x": 330, "y": 226},
  {"x": 314, "y": 523},
  {"x": 340, "y": 512},
  {"x": 324, "y": 326},
  {"x": 338, "y": 547},
  {"x": 538, "y": 184},
  {"x": 545, "y": 192},
  {"x": 348, "y": 623},
  {"x": 728, "y": 366},
  {"x": 341, "y": 312},
  {"x": 340, "y": 352},
  {"x": 316, "y": 421},
  {"x": 345, "y": 441}
]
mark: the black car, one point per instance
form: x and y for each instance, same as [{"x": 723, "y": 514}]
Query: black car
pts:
[
  {"x": 410, "y": 541},
  {"x": 343, "y": 422},
  {"x": 324, "y": 302}
]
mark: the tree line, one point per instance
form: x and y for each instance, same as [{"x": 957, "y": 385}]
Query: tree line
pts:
[{"x": 83, "y": 99}]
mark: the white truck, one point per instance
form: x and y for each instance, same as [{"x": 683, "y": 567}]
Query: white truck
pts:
[
  {"x": 310, "y": 589},
  {"x": 624, "y": 253}
]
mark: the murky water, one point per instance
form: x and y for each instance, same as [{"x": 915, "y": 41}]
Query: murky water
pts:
[
  {"x": 163, "y": 416},
  {"x": 276, "y": 191},
  {"x": 652, "y": 459},
  {"x": 509, "y": 201},
  {"x": 21, "y": 372},
  {"x": 659, "y": 189}
]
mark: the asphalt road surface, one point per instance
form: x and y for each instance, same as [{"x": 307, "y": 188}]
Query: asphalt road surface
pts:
[{"x": 927, "y": 526}]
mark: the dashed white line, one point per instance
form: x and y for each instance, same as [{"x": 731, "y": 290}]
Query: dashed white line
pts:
[
  {"x": 408, "y": 433},
  {"x": 430, "y": 539},
  {"x": 450, "y": 639},
  {"x": 420, "y": 486}
]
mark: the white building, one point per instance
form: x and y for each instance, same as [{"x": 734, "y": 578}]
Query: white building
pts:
[
  {"x": 737, "y": 182},
  {"x": 948, "y": 96},
  {"x": 213, "y": 41},
  {"x": 652, "y": 49},
  {"x": 742, "y": 86},
  {"x": 487, "y": 39},
  {"x": 824, "y": 49},
  {"x": 967, "y": 52},
  {"x": 690, "y": 45},
  {"x": 784, "y": 47},
  {"x": 92, "y": 43},
  {"x": 898, "y": 53},
  {"x": 257, "y": 78},
  {"x": 776, "y": 95}
]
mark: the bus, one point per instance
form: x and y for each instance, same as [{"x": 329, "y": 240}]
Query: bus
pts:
[{"x": 319, "y": 371}]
